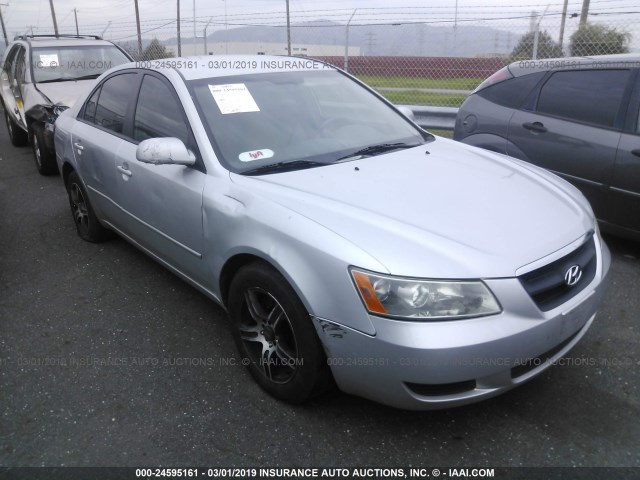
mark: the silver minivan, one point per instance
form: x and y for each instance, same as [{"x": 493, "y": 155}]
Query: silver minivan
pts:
[{"x": 577, "y": 117}]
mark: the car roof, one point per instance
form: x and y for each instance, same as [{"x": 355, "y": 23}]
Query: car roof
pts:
[
  {"x": 61, "y": 41},
  {"x": 208, "y": 66},
  {"x": 526, "y": 67}
]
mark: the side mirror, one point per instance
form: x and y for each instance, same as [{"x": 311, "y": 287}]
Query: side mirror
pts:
[
  {"x": 164, "y": 151},
  {"x": 407, "y": 112}
]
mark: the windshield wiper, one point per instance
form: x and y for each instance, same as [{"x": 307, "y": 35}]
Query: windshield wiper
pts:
[
  {"x": 378, "y": 149},
  {"x": 70, "y": 79},
  {"x": 284, "y": 166},
  {"x": 87, "y": 77},
  {"x": 52, "y": 80}
]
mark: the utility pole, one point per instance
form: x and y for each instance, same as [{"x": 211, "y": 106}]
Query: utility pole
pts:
[
  {"x": 179, "y": 44},
  {"x": 53, "y": 16},
  {"x": 585, "y": 12},
  {"x": 4, "y": 31},
  {"x": 288, "y": 31},
  {"x": 226, "y": 30},
  {"x": 205, "y": 37},
  {"x": 138, "y": 27},
  {"x": 563, "y": 21},
  {"x": 75, "y": 13},
  {"x": 536, "y": 35},
  {"x": 194, "y": 27},
  {"x": 346, "y": 42}
]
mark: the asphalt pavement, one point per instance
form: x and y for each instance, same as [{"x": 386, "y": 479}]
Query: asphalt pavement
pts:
[{"x": 107, "y": 359}]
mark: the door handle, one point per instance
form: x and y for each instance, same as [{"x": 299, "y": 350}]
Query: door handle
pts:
[
  {"x": 636, "y": 152},
  {"x": 536, "y": 127},
  {"x": 78, "y": 146},
  {"x": 124, "y": 171}
]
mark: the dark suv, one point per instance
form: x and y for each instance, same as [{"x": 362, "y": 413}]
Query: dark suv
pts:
[{"x": 577, "y": 117}]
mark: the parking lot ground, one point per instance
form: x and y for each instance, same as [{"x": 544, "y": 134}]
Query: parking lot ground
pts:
[{"x": 107, "y": 359}]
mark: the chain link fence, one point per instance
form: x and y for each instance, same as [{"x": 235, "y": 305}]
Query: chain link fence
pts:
[{"x": 431, "y": 56}]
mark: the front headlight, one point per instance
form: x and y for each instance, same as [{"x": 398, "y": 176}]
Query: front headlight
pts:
[{"x": 424, "y": 299}]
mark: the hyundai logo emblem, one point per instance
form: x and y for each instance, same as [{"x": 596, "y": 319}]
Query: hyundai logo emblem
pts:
[{"x": 573, "y": 275}]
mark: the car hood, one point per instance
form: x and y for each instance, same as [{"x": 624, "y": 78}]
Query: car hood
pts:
[
  {"x": 65, "y": 93},
  {"x": 441, "y": 210}
]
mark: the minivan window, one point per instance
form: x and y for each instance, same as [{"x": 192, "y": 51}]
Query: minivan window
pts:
[{"x": 589, "y": 96}]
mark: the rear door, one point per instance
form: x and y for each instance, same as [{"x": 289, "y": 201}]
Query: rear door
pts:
[
  {"x": 575, "y": 130},
  {"x": 625, "y": 186},
  {"x": 98, "y": 135}
]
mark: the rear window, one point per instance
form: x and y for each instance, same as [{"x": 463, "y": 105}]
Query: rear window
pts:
[
  {"x": 588, "y": 96},
  {"x": 513, "y": 92}
]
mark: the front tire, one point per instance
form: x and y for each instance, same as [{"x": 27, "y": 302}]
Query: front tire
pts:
[
  {"x": 17, "y": 136},
  {"x": 45, "y": 158},
  {"x": 85, "y": 219},
  {"x": 275, "y": 335}
]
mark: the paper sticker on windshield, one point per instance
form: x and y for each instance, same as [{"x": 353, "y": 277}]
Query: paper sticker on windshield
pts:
[
  {"x": 233, "y": 98},
  {"x": 255, "y": 155},
  {"x": 49, "y": 60}
]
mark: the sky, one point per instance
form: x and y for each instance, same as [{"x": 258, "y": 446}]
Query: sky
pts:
[{"x": 158, "y": 16}]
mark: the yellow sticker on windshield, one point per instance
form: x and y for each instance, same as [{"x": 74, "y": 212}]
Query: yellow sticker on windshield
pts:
[{"x": 233, "y": 98}]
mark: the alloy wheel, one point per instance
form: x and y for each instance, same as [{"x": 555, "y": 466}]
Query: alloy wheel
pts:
[{"x": 268, "y": 336}]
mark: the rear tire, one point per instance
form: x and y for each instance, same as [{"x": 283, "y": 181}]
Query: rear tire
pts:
[
  {"x": 45, "y": 158},
  {"x": 276, "y": 336},
  {"x": 18, "y": 137},
  {"x": 87, "y": 224}
]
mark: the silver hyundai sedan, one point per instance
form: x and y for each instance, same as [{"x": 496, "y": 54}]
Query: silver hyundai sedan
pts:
[{"x": 346, "y": 244}]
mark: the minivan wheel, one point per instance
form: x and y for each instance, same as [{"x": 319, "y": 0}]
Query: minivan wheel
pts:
[
  {"x": 45, "y": 159},
  {"x": 17, "y": 136},
  {"x": 87, "y": 224},
  {"x": 275, "y": 335}
]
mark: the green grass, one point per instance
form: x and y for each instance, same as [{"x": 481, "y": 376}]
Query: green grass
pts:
[
  {"x": 420, "y": 82},
  {"x": 441, "y": 133},
  {"x": 413, "y": 97}
]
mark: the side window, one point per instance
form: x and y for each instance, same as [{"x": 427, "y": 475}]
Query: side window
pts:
[
  {"x": 590, "y": 96},
  {"x": 113, "y": 102},
  {"x": 512, "y": 92},
  {"x": 90, "y": 107},
  {"x": 158, "y": 114},
  {"x": 11, "y": 59},
  {"x": 21, "y": 68},
  {"x": 16, "y": 61}
]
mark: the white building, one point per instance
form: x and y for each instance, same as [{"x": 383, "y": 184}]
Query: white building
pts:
[{"x": 262, "y": 48}]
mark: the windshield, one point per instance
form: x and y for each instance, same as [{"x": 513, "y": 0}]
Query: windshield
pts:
[
  {"x": 308, "y": 118},
  {"x": 74, "y": 62}
]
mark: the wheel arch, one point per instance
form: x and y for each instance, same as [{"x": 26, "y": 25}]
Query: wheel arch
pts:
[
  {"x": 231, "y": 267},
  {"x": 67, "y": 169}
]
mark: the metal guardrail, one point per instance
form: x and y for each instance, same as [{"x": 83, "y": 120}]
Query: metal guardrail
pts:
[{"x": 435, "y": 118}]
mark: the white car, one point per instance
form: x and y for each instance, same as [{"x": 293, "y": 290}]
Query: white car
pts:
[{"x": 41, "y": 76}]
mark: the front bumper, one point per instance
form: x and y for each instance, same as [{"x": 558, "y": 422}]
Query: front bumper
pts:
[{"x": 429, "y": 365}]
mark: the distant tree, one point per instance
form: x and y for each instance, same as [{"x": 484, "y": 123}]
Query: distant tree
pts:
[
  {"x": 547, "y": 48},
  {"x": 594, "y": 39},
  {"x": 155, "y": 50}
]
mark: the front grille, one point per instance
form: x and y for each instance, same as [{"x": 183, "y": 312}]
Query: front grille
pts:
[{"x": 547, "y": 286}]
